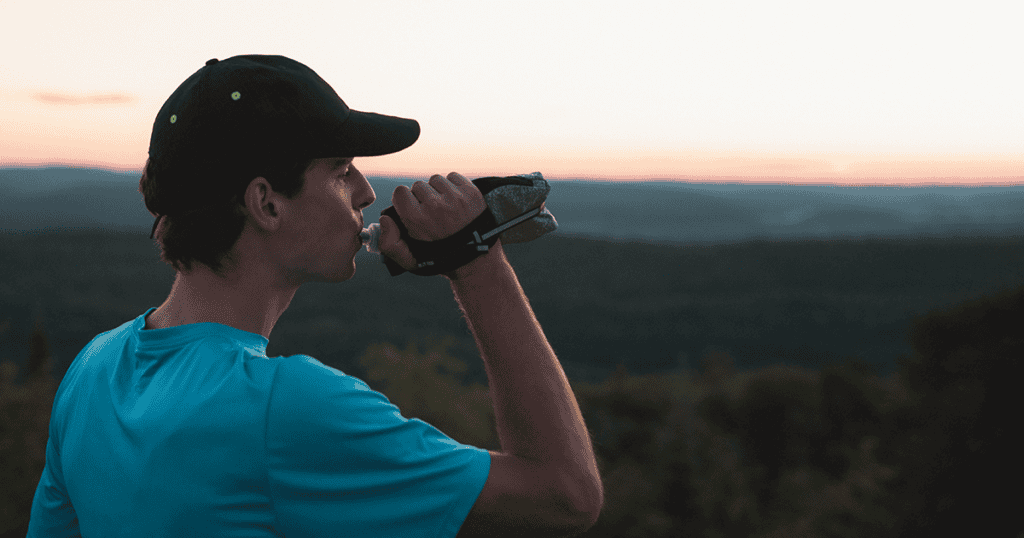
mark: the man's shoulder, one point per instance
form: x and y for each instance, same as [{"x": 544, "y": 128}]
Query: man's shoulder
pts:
[
  {"x": 103, "y": 343},
  {"x": 304, "y": 370},
  {"x": 302, "y": 383},
  {"x": 117, "y": 334}
]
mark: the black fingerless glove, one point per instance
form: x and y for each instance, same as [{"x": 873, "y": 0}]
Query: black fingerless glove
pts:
[{"x": 515, "y": 213}]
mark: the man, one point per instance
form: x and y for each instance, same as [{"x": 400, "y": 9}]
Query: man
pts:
[{"x": 177, "y": 424}]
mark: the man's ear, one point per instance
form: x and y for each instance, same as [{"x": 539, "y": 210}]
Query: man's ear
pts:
[{"x": 263, "y": 205}]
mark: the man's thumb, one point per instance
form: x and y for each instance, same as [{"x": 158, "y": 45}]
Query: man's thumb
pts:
[
  {"x": 391, "y": 244},
  {"x": 388, "y": 231}
]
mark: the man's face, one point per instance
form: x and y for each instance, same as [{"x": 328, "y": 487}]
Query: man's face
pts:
[{"x": 320, "y": 238}]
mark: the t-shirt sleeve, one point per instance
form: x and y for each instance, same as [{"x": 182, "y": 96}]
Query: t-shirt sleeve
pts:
[
  {"x": 52, "y": 514},
  {"x": 343, "y": 460}
]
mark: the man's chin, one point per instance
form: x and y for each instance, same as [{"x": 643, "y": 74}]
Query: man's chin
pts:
[
  {"x": 346, "y": 269},
  {"x": 350, "y": 271},
  {"x": 341, "y": 274},
  {"x": 345, "y": 274}
]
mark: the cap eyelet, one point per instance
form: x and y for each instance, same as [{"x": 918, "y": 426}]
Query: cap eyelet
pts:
[
  {"x": 174, "y": 118},
  {"x": 236, "y": 96}
]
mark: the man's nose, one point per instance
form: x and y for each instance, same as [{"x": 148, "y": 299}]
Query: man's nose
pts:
[
  {"x": 366, "y": 192},
  {"x": 370, "y": 198}
]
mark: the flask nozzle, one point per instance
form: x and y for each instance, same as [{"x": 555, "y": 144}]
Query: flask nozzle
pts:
[{"x": 370, "y": 236}]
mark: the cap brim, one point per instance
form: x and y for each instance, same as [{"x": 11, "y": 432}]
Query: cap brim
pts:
[{"x": 368, "y": 134}]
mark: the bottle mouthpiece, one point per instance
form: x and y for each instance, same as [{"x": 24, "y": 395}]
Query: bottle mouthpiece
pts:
[{"x": 370, "y": 236}]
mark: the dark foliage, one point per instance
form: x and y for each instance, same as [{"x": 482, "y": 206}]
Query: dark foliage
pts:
[
  {"x": 963, "y": 457},
  {"x": 724, "y": 450}
]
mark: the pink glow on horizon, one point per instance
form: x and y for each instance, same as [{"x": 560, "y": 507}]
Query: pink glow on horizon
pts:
[{"x": 984, "y": 173}]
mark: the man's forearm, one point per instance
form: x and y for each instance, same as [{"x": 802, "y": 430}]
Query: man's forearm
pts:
[{"x": 536, "y": 412}]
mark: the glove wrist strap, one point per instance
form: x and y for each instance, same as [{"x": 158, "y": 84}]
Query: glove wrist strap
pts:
[{"x": 448, "y": 254}]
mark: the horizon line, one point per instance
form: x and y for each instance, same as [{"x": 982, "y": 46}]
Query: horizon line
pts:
[{"x": 872, "y": 181}]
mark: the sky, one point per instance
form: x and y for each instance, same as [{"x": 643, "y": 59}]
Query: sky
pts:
[{"x": 867, "y": 92}]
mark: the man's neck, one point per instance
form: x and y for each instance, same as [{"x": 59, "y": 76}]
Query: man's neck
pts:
[{"x": 247, "y": 302}]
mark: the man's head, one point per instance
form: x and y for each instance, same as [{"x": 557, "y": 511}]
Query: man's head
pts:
[{"x": 249, "y": 123}]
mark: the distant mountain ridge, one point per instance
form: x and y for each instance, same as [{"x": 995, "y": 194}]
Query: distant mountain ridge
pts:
[{"x": 658, "y": 212}]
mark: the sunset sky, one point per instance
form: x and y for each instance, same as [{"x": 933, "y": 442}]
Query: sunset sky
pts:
[{"x": 869, "y": 92}]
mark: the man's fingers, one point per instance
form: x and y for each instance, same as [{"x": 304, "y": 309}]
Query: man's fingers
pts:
[
  {"x": 473, "y": 196},
  {"x": 414, "y": 214},
  {"x": 425, "y": 193},
  {"x": 406, "y": 204},
  {"x": 435, "y": 210},
  {"x": 458, "y": 179},
  {"x": 443, "y": 186}
]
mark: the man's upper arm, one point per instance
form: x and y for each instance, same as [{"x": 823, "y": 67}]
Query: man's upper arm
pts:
[
  {"x": 523, "y": 498},
  {"x": 52, "y": 513},
  {"x": 341, "y": 456}
]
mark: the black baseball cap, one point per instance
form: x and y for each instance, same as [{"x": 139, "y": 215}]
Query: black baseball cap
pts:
[{"x": 258, "y": 109}]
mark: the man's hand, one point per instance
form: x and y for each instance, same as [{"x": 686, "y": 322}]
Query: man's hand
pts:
[{"x": 430, "y": 211}]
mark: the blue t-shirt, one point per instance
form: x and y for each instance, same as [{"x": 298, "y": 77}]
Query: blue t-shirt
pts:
[{"x": 193, "y": 431}]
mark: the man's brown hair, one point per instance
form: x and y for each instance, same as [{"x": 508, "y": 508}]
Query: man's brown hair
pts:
[{"x": 207, "y": 234}]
